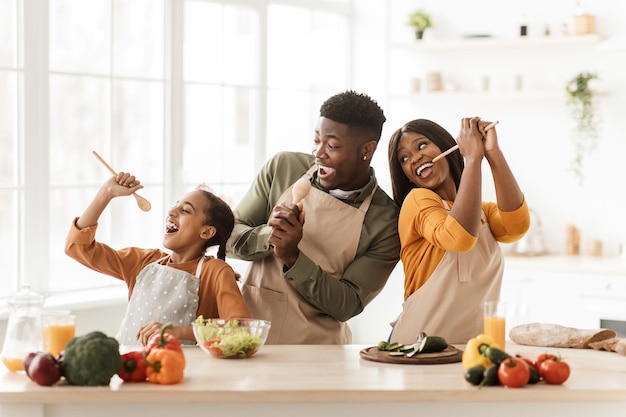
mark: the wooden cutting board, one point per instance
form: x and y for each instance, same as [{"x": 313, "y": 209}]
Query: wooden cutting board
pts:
[{"x": 448, "y": 355}]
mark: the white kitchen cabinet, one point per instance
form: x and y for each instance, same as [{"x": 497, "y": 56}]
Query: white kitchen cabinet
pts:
[
  {"x": 547, "y": 297},
  {"x": 571, "y": 291}
]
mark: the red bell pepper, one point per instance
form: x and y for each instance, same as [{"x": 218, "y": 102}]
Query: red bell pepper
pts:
[
  {"x": 133, "y": 367},
  {"x": 164, "y": 340}
]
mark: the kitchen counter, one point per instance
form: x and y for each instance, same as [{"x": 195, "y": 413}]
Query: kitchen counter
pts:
[
  {"x": 327, "y": 380},
  {"x": 605, "y": 265}
]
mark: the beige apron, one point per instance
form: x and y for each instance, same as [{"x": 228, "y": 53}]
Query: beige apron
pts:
[
  {"x": 450, "y": 303},
  {"x": 330, "y": 238}
]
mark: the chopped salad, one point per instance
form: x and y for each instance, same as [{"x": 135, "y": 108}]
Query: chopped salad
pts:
[{"x": 229, "y": 340}]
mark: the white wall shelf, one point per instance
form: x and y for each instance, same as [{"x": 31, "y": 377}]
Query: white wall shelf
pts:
[
  {"x": 465, "y": 95},
  {"x": 480, "y": 95},
  {"x": 492, "y": 43},
  {"x": 465, "y": 64}
]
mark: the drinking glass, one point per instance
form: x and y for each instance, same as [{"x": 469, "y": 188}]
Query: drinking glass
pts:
[
  {"x": 494, "y": 321},
  {"x": 59, "y": 328}
]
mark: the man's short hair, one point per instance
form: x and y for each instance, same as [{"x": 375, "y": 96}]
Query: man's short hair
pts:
[{"x": 355, "y": 110}]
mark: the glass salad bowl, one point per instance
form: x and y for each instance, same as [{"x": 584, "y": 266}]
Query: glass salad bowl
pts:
[{"x": 230, "y": 338}]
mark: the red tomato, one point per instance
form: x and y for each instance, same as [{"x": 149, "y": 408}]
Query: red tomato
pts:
[
  {"x": 542, "y": 357},
  {"x": 534, "y": 372},
  {"x": 208, "y": 345},
  {"x": 554, "y": 371},
  {"x": 525, "y": 359},
  {"x": 513, "y": 373}
]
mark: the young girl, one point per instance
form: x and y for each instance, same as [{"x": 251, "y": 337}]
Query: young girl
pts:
[
  {"x": 175, "y": 287},
  {"x": 452, "y": 261}
]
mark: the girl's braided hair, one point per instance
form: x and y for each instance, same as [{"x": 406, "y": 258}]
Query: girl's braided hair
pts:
[{"x": 219, "y": 214}]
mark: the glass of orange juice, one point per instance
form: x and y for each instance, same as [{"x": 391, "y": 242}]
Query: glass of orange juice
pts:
[
  {"x": 59, "y": 327},
  {"x": 494, "y": 321}
]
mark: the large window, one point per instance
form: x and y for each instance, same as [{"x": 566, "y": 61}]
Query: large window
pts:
[
  {"x": 178, "y": 92},
  {"x": 11, "y": 92}
]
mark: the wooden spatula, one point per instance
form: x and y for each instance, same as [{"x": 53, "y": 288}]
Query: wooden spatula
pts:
[{"x": 143, "y": 203}]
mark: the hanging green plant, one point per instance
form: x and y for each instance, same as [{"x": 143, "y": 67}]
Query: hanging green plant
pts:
[{"x": 585, "y": 135}]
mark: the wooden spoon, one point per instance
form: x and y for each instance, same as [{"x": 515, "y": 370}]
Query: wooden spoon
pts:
[
  {"x": 143, "y": 203},
  {"x": 300, "y": 189}
]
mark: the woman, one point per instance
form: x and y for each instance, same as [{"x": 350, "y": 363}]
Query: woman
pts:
[{"x": 452, "y": 261}]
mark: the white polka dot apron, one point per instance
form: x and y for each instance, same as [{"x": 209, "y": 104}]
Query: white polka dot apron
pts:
[{"x": 162, "y": 294}]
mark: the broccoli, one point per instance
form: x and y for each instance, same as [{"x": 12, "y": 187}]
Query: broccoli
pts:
[{"x": 91, "y": 359}]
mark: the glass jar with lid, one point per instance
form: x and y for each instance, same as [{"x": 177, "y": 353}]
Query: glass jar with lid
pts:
[{"x": 24, "y": 332}]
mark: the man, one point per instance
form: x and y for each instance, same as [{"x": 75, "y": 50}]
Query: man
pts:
[{"x": 319, "y": 261}]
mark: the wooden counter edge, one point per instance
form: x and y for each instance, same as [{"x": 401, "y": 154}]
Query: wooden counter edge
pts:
[{"x": 162, "y": 394}]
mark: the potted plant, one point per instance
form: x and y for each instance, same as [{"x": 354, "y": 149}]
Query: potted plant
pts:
[
  {"x": 420, "y": 21},
  {"x": 581, "y": 100}
]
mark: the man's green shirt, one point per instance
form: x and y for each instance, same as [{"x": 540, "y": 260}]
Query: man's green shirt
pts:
[{"x": 377, "y": 252}]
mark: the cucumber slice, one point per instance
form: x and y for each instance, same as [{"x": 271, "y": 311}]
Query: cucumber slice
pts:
[{"x": 393, "y": 346}]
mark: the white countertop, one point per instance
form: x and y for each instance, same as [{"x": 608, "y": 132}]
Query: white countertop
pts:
[{"x": 290, "y": 376}]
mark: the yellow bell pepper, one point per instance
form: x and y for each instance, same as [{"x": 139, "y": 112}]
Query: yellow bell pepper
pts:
[{"x": 473, "y": 353}]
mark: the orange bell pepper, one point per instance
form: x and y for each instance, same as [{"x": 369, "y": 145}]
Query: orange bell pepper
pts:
[{"x": 165, "y": 366}]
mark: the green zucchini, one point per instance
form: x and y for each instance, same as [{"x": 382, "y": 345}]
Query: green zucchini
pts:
[
  {"x": 490, "y": 376},
  {"x": 432, "y": 344},
  {"x": 475, "y": 374},
  {"x": 495, "y": 355},
  {"x": 534, "y": 375}
]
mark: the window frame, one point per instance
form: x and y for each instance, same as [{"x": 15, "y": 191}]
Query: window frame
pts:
[{"x": 33, "y": 135}]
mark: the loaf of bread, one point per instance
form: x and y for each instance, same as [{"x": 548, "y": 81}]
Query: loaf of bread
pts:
[
  {"x": 555, "y": 335},
  {"x": 614, "y": 344},
  {"x": 607, "y": 344}
]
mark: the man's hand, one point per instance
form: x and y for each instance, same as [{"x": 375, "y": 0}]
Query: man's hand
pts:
[{"x": 286, "y": 232}]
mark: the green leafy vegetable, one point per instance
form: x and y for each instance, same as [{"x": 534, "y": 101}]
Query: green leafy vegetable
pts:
[
  {"x": 230, "y": 339},
  {"x": 91, "y": 359}
]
